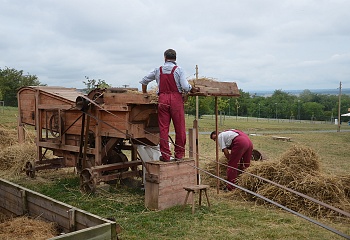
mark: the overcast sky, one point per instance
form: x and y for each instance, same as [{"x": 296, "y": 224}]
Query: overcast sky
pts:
[{"x": 259, "y": 44}]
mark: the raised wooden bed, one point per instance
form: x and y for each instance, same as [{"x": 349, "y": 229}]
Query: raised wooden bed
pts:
[{"x": 75, "y": 223}]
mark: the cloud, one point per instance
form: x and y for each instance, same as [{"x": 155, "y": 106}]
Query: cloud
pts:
[{"x": 262, "y": 45}]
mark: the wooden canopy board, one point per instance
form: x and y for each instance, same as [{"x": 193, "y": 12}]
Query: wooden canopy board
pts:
[
  {"x": 210, "y": 87},
  {"x": 76, "y": 224}
]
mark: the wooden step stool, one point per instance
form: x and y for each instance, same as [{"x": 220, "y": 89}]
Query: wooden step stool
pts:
[{"x": 195, "y": 189}]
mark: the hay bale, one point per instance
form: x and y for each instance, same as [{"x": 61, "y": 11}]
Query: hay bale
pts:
[
  {"x": 27, "y": 228},
  {"x": 297, "y": 169}
]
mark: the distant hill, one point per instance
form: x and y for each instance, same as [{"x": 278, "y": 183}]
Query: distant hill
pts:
[{"x": 345, "y": 91}]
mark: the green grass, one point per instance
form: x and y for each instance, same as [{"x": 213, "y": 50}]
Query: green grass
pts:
[
  {"x": 228, "y": 218},
  {"x": 8, "y": 117}
]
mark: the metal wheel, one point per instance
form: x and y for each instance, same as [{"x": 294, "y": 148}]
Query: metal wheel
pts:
[
  {"x": 257, "y": 156},
  {"x": 30, "y": 170},
  {"x": 54, "y": 125},
  {"x": 87, "y": 181}
]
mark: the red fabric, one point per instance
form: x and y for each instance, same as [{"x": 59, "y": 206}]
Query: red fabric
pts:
[
  {"x": 171, "y": 107},
  {"x": 241, "y": 153}
]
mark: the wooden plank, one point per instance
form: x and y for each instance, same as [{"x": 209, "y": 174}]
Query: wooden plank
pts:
[
  {"x": 210, "y": 87},
  {"x": 287, "y": 139},
  {"x": 100, "y": 232},
  {"x": 125, "y": 98},
  {"x": 113, "y": 166},
  {"x": 13, "y": 205},
  {"x": 52, "y": 106},
  {"x": 87, "y": 219},
  {"x": 63, "y": 147}
]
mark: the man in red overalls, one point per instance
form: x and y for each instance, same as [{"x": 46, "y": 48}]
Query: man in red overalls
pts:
[
  {"x": 171, "y": 84},
  {"x": 241, "y": 148}
]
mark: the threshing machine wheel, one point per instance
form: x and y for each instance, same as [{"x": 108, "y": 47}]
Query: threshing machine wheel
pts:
[
  {"x": 54, "y": 125},
  {"x": 87, "y": 181},
  {"x": 30, "y": 169}
]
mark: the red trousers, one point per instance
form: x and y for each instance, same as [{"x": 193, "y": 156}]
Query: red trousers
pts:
[
  {"x": 241, "y": 154},
  {"x": 171, "y": 107}
]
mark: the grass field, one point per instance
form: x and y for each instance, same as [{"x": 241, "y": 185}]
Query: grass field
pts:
[{"x": 228, "y": 218}]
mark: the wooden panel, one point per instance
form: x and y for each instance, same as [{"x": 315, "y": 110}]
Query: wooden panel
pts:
[
  {"x": 210, "y": 87},
  {"x": 166, "y": 188},
  {"x": 87, "y": 219},
  {"x": 125, "y": 98},
  {"x": 99, "y": 232}
]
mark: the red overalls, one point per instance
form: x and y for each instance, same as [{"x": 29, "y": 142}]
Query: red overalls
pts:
[
  {"x": 241, "y": 153},
  {"x": 171, "y": 107}
]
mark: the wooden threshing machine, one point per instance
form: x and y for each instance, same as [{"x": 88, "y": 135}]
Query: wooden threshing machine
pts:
[{"x": 90, "y": 132}]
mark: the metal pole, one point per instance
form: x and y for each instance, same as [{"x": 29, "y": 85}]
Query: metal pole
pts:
[
  {"x": 276, "y": 109},
  {"x": 339, "y": 107},
  {"x": 299, "y": 110}
]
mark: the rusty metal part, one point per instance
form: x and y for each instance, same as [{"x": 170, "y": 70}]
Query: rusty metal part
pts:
[
  {"x": 87, "y": 181},
  {"x": 257, "y": 155},
  {"x": 30, "y": 169}
]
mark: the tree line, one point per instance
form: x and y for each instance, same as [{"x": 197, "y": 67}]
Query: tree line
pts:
[
  {"x": 11, "y": 80},
  {"x": 280, "y": 105}
]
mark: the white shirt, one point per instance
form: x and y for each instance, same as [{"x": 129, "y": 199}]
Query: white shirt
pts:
[
  {"x": 225, "y": 138},
  {"x": 179, "y": 75}
]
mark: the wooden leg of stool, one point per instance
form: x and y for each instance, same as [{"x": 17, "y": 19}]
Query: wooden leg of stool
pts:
[
  {"x": 193, "y": 202},
  {"x": 188, "y": 193},
  {"x": 200, "y": 197},
  {"x": 205, "y": 191}
]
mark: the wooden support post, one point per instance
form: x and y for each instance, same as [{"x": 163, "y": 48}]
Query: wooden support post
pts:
[
  {"x": 195, "y": 126},
  {"x": 98, "y": 141},
  {"x": 24, "y": 201},
  {"x": 217, "y": 146},
  {"x": 191, "y": 142},
  {"x": 20, "y": 131},
  {"x": 39, "y": 127},
  {"x": 71, "y": 217}
]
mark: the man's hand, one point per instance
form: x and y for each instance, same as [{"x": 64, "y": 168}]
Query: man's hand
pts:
[
  {"x": 226, "y": 153},
  {"x": 194, "y": 89}
]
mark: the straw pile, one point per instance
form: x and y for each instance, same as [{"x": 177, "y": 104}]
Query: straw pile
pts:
[
  {"x": 13, "y": 158},
  {"x": 26, "y": 228},
  {"x": 211, "y": 167},
  {"x": 8, "y": 137},
  {"x": 298, "y": 169}
]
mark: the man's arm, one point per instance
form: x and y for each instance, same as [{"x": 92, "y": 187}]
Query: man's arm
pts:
[
  {"x": 147, "y": 79},
  {"x": 144, "y": 88},
  {"x": 227, "y": 153}
]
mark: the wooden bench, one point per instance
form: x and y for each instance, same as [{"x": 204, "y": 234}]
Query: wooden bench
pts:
[
  {"x": 195, "y": 189},
  {"x": 287, "y": 139}
]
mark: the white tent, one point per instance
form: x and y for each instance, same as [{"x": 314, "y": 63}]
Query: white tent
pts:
[{"x": 346, "y": 115}]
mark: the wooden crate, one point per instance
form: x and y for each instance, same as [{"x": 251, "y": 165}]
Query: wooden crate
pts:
[
  {"x": 165, "y": 182},
  {"x": 77, "y": 224}
]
